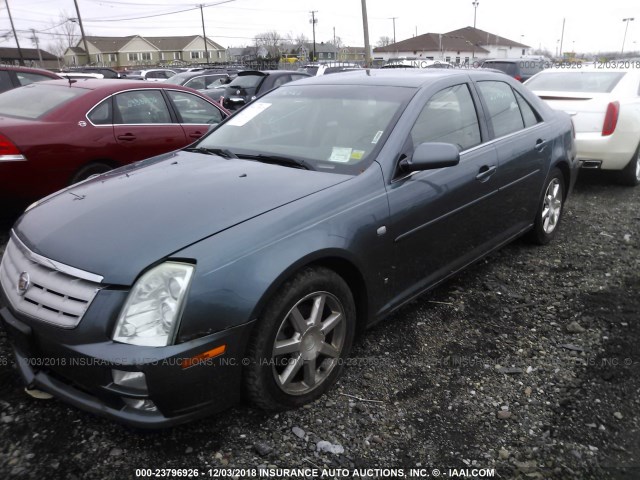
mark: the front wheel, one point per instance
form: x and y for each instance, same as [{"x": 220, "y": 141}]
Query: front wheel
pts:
[
  {"x": 630, "y": 175},
  {"x": 298, "y": 348},
  {"x": 549, "y": 212}
]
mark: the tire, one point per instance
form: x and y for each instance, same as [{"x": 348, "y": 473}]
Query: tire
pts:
[
  {"x": 630, "y": 175},
  {"x": 550, "y": 210},
  {"x": 90, "y": 170},
  {"x": 311, "y": 350}
]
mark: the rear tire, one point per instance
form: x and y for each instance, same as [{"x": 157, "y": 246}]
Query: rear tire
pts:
[
  {"x": 90, "y": 170},
  {"x": 301, "y": 340},
  {"x": 630, "y": 175},
  {"x": 550, "y": 210}
]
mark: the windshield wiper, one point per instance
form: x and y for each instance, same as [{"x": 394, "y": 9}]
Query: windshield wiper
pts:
[
  {"x": 278, "y": 160},
  {"x": 221, "y": 152}
]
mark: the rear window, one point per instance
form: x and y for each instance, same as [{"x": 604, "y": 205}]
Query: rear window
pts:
[
  {"x": 34, "y": 101},
  {"x": 246, "y": 81},
  {"x": 592, "y": 82},
  {"x": 509, "y": 68}
]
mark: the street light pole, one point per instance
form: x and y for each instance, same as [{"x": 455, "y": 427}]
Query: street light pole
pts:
[
  {"x": 475, "y": 11},
  {"x": 394, "y": 28},
  {"x": 627, "y": 20}
]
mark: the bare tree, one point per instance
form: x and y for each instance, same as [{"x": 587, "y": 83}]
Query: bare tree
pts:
[
  {"x": 337, "y": 42},
  {"x": 65, "y": 34},
  {"x": 384, "y": 41},
  {"x": 271, "y": 41}
]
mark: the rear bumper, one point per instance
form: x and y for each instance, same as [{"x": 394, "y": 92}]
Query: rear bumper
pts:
[
  {"x": 81, "y": 375},
  {"x": 612, "y": 152}
]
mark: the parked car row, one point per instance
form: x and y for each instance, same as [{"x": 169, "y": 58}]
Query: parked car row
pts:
[{"x": 242, "y": 265}]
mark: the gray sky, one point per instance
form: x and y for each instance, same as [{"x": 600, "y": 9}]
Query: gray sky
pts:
[{"x": 592, "y": 26}]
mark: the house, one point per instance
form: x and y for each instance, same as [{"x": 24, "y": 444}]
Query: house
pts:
[
  {"x": 351, "y": 54},
  {"x": 135, "y": 50},
  {"x": 462, "y": 46},
  {"x": 32, "y": 57}
]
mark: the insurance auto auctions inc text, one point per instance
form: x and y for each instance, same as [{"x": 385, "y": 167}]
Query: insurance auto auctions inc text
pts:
[{"x": 357, "y": 473}]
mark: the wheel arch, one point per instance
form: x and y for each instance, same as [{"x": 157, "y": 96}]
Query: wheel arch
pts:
[
  {"x": 336, "y": 260},
  {"x": 95, "y": 161}
]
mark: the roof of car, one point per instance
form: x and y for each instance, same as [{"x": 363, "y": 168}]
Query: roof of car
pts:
[
  {"x": 17, "y": 68},
  {"x": 411, "y": 77},
  {"x": 111, "y": 84}
]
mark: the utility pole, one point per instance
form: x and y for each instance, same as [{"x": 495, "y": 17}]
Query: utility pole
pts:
[
  {"x": 35, "y": 39},
  {"x": 561, "y": 38},
  {"x": 365, "y": 26},
  {"x": 84, "y": 38},
  {"x": 14, "y": 33},
  {"x": 313, "y": 22},
  {"x": 204, "y": 35},
  {"x": 394, "y": 28}
]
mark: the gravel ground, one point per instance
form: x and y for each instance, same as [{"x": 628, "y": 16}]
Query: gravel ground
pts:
[{"x": 527, "y": 364}]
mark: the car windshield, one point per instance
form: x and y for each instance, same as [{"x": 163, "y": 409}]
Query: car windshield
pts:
[
  {"x": 591, "y": 82},
  {"x": 334, "y": 128},
  {"x": 36, "y": 100}
]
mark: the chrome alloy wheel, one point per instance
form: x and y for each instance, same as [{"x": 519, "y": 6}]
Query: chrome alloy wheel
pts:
[
  {"x": 552, "y": 206},
  {"x": 638, "y": 166},
  {"x": 308, "y": 343}
]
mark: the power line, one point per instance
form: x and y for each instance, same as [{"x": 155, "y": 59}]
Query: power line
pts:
[{"x": 159, "y": 14}]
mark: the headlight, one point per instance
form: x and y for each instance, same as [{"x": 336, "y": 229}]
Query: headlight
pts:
[{"x": 150, "y": 315}]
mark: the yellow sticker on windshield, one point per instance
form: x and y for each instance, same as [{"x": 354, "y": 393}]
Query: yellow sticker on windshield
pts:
[{"x": 357, "y": 154}]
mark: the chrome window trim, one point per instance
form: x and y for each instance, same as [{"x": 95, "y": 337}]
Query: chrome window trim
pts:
[
  {"x": 61, "y": 267},
  {"x": 111, "y": 125}
]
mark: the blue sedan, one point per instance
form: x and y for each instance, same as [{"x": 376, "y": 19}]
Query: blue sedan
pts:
[{"x": 245, "y": 264}]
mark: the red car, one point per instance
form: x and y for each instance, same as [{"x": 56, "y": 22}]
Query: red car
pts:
[
  {"x": 14, "y": 76},
  {"x": 59, "y": 132}
]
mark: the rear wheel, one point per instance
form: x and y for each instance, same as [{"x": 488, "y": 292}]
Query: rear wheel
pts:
[
  {"x": 550, "y": 210},
  {"x": 90, "y": 170},
  {"x": 298, "y": 348},
  {"x": 630, "y": 175}
]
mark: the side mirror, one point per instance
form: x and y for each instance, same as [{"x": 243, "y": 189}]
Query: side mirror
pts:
[{"x": 429, "y": 156}]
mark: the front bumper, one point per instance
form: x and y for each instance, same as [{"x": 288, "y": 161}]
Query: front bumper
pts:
[{"x": 81, "y": 375}]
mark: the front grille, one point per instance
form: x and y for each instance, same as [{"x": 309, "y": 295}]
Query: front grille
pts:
[{"x": 52, "y": 296}]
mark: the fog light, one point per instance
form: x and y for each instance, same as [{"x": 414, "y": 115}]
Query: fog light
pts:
[
  {"x": 131, "y": 380},
  {"x": 144, "y": 404}
]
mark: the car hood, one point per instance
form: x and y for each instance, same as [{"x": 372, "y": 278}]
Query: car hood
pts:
[{"x": 118, "y": 224}]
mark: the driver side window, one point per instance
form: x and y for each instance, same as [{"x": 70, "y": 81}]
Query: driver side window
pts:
[{"x": 449, "y": 117}]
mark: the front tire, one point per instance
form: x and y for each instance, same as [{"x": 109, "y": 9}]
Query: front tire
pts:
[
  {"x": 550, "y": 210},
  {"x": 299, "y": 345},
  {"x": 630, "y": 175}
]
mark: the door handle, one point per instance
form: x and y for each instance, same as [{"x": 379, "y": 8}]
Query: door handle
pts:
[
  {"x": 540, "y": 144},
  {"x": 127, "y": 137},
  {"x": 196, "y": 134},
  {"x": 485, "y": 172}
]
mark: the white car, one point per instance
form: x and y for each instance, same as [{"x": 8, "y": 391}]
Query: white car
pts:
[
  {"x": 151, "y": 75},
  {"x": 604, "y": 104}
]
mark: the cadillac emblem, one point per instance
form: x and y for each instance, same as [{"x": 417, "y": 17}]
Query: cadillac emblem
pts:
[{"x": 24, "y": 282}]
